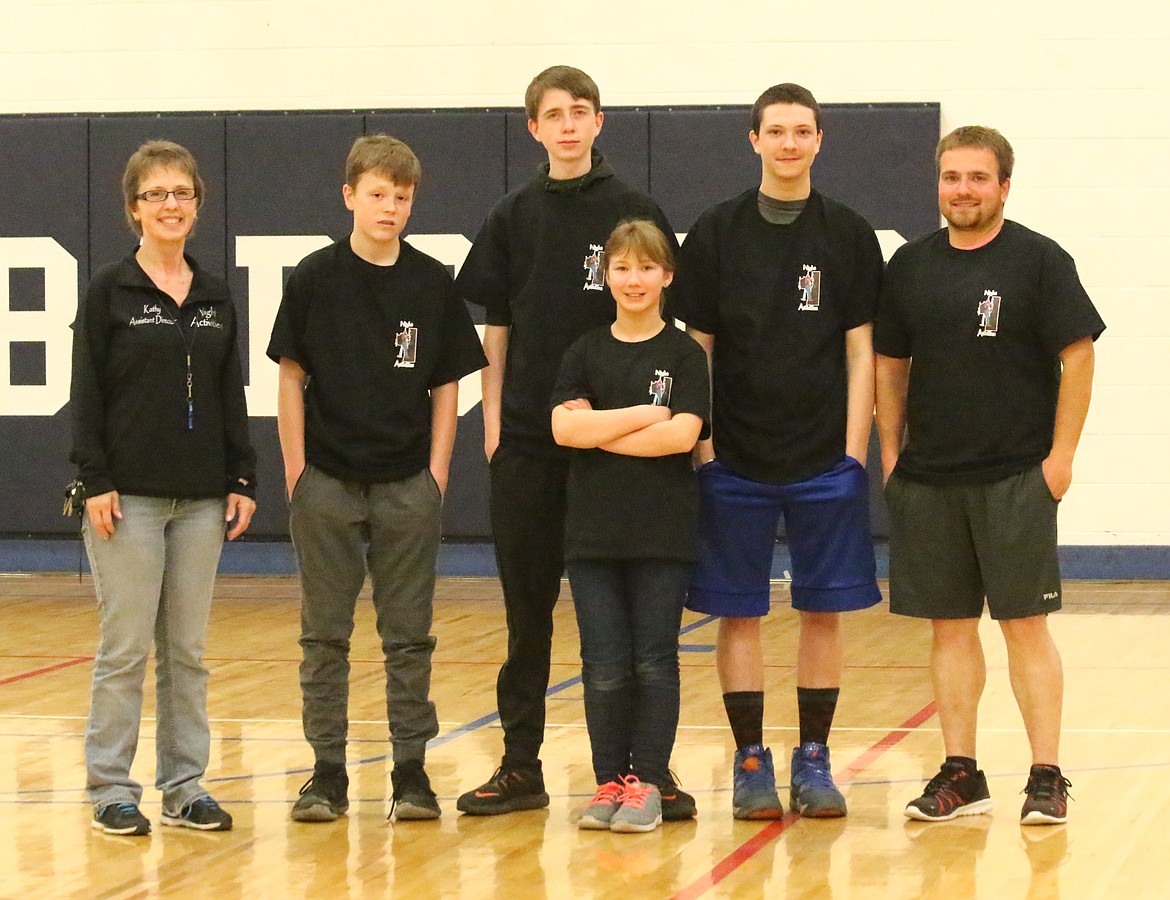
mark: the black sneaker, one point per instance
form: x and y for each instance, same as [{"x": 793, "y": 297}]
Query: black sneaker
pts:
[
  {"x": 1047, "y": 802},
  {"x": 508, "y": 790},
  {"x": 413, "y": 797},
  {"x": 954, "y": 791},
  {"x": 677, "y": 804},
  {"x": 324, "y": 796},
  {"x": 202, "y": 813},
  {"x": 120, "y": 818}
]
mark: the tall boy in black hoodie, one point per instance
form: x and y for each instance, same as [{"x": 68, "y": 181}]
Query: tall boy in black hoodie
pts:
[{"x": 536, "y": 267}]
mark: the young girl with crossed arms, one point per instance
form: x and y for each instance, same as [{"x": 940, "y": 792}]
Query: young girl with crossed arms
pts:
[{"x": 632, "y": 399}]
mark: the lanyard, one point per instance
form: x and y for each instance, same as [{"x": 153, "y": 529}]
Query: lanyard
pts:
[{"x": 189, "y": 345}]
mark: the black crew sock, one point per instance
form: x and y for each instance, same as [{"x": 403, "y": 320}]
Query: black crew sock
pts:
[
  {"x": 745, "y": 712},
  {"x": 816, "y": 708},
  {"x": 966, "y": 762}
]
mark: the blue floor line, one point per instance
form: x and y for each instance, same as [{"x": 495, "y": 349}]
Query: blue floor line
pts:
[
  {"x": 467, "y": 728},
  {"x": 706, "y": 620}
]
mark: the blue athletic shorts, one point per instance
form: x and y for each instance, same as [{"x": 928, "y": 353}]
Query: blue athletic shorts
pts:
[{"x": 826, "y": 519}]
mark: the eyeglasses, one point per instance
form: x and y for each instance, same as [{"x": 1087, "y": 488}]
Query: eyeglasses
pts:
[{"x": 183, "y": 195}]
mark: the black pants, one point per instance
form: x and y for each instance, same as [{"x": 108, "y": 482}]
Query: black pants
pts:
[{"x": 528, "y": 525}]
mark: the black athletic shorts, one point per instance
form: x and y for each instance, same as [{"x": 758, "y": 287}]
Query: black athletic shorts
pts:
[{"x": 951, "y": 546}]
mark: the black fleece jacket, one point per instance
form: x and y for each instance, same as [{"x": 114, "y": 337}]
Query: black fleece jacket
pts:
[{"x": 134, "y": 430}]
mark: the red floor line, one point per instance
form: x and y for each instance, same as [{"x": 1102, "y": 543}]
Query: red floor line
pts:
[
  {"x": 867, "y": 758},
  {"x": 773, "y": 830},
  {"x": 45, "y": 669}
]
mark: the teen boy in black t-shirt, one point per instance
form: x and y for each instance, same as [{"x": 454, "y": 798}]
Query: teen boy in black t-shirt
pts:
[
  {"x": 372, "y": 341},
  {"x": 536, "y": 268},
  {"x": 780, "y": 285},
  {"x": 978, "y": 437}
]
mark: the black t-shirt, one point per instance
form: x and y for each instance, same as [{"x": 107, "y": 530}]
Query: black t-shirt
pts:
[
  {"x": 633, "y": 507},
  {"x": 537, "y": 267},
  {"x": 778, "y": 299},
  {"x": 985, "y": 328},
  {"x": 373, "y": 341}
]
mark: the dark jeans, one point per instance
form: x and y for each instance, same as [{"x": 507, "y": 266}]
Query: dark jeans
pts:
[
  {"x": 628, "y": 613},
  {"x": 528, "y": 525}
]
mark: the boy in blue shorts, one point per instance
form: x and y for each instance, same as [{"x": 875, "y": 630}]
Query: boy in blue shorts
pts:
[
  {"x": 779, "y": 285},
  {"x": 372, "y": 340}
]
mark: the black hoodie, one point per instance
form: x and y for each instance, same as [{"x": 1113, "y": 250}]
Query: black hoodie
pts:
[{"x": 536, "y": 266}]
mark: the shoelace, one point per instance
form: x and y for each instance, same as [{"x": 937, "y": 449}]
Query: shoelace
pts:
[
  {"x": 327, "y": 786},
  {"x": 944, "y": 780},
  {"x": 816, "y": 775},
  {"x": 308, "y": 785},
  {"x": 502, "y": 780},
  {"x": 1046, "y": 785},
  {"x": 634, "y": 793},
  {"x": 610, "y": 792},
  {"x": 125, "y": 807}
]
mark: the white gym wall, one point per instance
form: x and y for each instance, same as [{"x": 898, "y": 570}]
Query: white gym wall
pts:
[{"x": 1081, "y": 90}]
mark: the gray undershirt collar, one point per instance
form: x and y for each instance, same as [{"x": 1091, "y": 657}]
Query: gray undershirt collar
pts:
[{"x": 779, "y": 212}]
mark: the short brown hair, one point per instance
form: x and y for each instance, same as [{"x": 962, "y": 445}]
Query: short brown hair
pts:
[
  {"x": 156, "y": 155},
  {"x": 985, "y": 139},
  {"x": 565, "y": 78},
  {"x": 385, "y": 155},
  {"x": 785, "y": 93},
  {"x": 641, "y": 238}
]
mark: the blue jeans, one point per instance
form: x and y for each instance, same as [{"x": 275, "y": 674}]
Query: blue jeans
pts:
[
  {"x": 628, "y": 614},
  {"x": 154, "y": 580}
]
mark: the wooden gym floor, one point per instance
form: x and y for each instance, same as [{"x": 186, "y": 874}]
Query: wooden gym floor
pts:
[{"x": 1116, "y": 751}]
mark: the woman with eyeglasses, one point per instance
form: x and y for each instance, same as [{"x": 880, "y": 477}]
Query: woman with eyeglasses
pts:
[{"x": 160, "y": 438}]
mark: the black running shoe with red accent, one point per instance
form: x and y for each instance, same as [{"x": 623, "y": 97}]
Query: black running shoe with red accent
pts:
[
  {"x": 1047, "y": 802},
  {"x": 955, "y": 791},
  {"x": 508, "y": 790},
  {"x": 677, "y": 804}
]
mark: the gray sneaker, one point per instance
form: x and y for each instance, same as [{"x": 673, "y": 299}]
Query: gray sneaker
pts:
[
  {"x": 599, "y": 813},
  {"x": 641, "y": 808}
]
